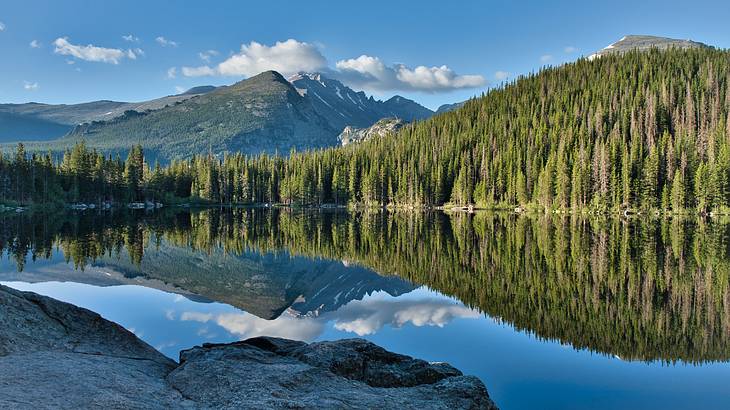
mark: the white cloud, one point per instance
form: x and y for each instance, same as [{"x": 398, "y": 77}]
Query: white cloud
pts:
[
  {"x": 2, "y": 26},
  {"x": 172, "y": 72},
  {"x": 207, "y": 55},
  {"x": 502, "y": 75},
  {"x": 546, "y": 58},
  {"x": 91, "y": 52},
  {"x": 166, "y": 42},
  {"x": 179, "y": 89},
  {"x": 570, "y": 49},
  {"x": 368, "y": 316},
  {"x": 245, "y": 325},
  {"x": 30, "y": 86},
  {"x": 35, "y": 44},
  {"x": 371, "y": 73},
  {"x": 287, "y": 57},
  {"x": 131, "y": 38}
]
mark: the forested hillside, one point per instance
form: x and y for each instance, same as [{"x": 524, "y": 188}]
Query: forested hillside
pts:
[{"x": 641, "y": 130}]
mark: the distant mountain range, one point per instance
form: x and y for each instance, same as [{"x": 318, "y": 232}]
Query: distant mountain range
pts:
[
  {"x": 265, "y": 113},
  {"x": 36, "y": 121}
]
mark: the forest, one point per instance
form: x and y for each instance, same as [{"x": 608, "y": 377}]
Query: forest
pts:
[{"x": 641, "y": 131}]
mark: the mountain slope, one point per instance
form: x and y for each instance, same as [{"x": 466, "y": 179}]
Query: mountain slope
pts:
[
  {"x": 449, "y": 107},
  {"x": 643, "y": 43},
  {"x": 342, "y": 106},
  {"x": 36, "y": 121},
  {"x": 264, "y": 113}
]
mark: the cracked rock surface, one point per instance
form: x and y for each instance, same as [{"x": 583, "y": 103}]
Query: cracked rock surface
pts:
[{"x": 56, "y": 355}]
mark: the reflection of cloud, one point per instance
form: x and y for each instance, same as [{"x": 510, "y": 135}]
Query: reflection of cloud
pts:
[
  {"x": 362, "y": 317},
  {"x": 246, "y": 325},
  {"x": 368, "y": 316}
]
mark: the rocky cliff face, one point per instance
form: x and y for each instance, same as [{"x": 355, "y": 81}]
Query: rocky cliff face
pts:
[
  {"x": 379, "y": 129},
  {"x": 343, "y": 106},
  {"x": 56, "y": 355}
]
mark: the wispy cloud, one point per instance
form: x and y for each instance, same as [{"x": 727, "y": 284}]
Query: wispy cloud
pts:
[
  {"x": 570, "y": 49},
  {"x": 502, "y": 75},
  {"x": 30, "y": 86},
  {"x": 2, "y": 26},
  {"x": 546, "y": 58},
  {"x": 35, "y": 44},
  {"x": 201, "y": 71},
  {"x": 91, "y": 52},
  {"x": 172, "y": 72},
  {"x": 207, "y": 55},
  {"x": 131, "y": 38},
  {"x": 164, "y": 42}
]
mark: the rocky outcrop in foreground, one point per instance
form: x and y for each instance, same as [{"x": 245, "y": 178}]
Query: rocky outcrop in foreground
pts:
[{"x": 56, "y": 355}]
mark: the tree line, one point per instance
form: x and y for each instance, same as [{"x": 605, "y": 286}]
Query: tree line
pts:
[{"x": 638, "y": 131}]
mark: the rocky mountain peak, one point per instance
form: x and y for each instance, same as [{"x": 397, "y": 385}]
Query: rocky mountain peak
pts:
[{"x": 645, "y": 42}]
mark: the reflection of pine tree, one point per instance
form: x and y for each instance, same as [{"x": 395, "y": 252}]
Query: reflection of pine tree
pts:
[{"x": 631, "y": 288}]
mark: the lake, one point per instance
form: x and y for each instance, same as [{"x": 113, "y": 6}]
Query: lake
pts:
[{"x": 551, "y": 312}]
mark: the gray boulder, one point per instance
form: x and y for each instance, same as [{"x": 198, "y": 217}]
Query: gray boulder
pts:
[{"x": 56, "y": 355}]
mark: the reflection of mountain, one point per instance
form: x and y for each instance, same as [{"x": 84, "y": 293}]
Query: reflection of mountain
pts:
[
  {"x": 57, "y": 270},
  {"x": 263, "y": 284}
]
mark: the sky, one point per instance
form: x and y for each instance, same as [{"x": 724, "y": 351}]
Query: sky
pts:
[{"x": 433, "y": 52}]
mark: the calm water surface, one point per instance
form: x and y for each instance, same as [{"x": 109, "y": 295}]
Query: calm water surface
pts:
[{"x": 549, "y": 313}]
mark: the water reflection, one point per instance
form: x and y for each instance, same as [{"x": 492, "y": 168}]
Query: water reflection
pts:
[{"x": 639, "y": 290}]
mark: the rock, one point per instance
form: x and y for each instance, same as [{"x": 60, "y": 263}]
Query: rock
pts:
[
  {"x": 279, "y": 373},
  {"x": 56, "y": 355}
]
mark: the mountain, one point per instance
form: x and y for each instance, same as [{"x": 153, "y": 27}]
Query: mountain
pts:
[
  {"x": 641, "y": 43},
  {"x": 36, "y": 121},
  {"x": 381, "y": 128},
  {"x": 264, "y": 113},
  {"x": 202, "y": 89},
  {"x": 449, "y": 107},
  {"x": 342, "y": 106},
  {"x": 262, "y": 284}
]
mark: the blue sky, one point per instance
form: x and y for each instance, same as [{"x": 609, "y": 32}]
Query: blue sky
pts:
[{"x": 405, "y": 44}]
